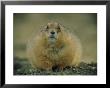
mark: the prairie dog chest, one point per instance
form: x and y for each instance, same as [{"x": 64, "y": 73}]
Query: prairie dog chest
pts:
[
  {"x": 53, "y": 53},
  {"x": 53, "y": 50}
]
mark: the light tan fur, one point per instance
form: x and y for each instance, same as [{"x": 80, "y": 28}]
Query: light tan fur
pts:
[{"x": 44, "y": 52}]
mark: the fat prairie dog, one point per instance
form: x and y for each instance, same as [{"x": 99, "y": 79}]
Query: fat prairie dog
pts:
[{"x": 54, "y": 46}]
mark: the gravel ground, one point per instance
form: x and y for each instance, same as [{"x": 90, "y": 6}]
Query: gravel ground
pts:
[{"x": 22, "y": 67}]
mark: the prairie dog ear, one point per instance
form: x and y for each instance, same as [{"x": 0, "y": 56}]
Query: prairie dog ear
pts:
[
  {"x": 60, "y": 27},
  {"x": 44, "y": 28}
]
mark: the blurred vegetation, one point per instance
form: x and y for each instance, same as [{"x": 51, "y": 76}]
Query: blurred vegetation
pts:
[{"x": 84, "y": 25}]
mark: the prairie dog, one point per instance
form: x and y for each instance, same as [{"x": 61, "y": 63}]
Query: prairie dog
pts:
[{"x": 54, "y": 46}]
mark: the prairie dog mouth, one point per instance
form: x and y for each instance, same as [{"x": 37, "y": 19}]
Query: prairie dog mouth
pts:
[{"x": 52, "y": 37}]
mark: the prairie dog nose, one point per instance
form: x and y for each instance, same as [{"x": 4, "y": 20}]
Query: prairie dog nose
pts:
[{"x": 52, "y": 32}]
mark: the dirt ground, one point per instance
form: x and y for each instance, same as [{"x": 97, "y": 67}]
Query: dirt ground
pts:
[{"x": 22, "y": 67}]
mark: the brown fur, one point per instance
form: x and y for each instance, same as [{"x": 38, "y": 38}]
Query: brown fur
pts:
[{"x": 65, "y": 51}]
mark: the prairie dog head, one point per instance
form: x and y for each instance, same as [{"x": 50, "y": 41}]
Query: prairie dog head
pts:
[{"x": 52, "y": 31}]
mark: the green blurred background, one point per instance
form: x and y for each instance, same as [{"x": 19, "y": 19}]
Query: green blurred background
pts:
[{"x": 83, "y": 25}]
